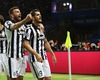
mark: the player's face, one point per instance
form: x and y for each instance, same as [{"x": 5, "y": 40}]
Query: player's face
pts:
[
  {"x": 38, "y": 17},
  {"x": 16, "y": 15}
]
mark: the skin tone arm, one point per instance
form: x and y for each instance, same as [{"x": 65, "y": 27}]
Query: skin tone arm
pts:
[
  {"x": 20, "y": 23},
  {"x": 48, "y": 48},
  {"x": 28, "y": 47}
]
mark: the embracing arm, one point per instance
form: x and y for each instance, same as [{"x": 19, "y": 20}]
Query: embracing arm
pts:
[{"x": 29, "y": 48}]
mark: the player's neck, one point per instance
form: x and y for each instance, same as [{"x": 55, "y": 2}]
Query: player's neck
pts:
[
  {"x": 36, "y": 24},
  {"x": 14, "y": 20}
]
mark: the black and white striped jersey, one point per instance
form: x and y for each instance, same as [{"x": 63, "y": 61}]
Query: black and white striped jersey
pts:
[
  {"x": 3, "y": 41},
  {"x": 14, "y": 38},
  {"x": 36, "y": 38}
]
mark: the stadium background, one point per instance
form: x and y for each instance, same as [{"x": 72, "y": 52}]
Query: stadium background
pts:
[{"x": 83, "y": 19}]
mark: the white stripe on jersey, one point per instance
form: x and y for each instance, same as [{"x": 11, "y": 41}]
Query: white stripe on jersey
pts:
[
  {"x": 15, "y": 41},
  {"x": 20, "y": 40}
]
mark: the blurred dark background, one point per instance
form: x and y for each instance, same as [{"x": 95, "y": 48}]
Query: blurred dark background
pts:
[{"x": 80, "y": 17}]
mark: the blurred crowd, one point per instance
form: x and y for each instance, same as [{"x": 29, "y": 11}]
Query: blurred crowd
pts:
[
  {"x": 89, "y": 46},
  {"x": 80, "y": 46},
  {"x": 56, "y": 47}
]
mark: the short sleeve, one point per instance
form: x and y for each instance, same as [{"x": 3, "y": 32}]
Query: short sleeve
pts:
[
  {"x": 28, "y": 34},
  {"x": 8, "y": 24}
]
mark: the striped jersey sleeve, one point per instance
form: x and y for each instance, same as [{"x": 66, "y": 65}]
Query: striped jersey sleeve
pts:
[
  {"x": 8, "y": 24},
  {"x": 28, "y": 34}
]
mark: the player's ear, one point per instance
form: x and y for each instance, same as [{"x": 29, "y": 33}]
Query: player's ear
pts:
[
  {"x": 11, "y": 15},
  {"x": 32, "y": 18}
]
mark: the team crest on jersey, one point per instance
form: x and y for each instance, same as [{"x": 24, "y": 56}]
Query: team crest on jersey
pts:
[
  {"x": 21, "y": 30},
  {"x": 41, "y": 37}
]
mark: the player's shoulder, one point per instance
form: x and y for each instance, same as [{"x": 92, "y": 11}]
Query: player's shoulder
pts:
[
  {"x": 8, "y": 22},
  {"x": 29, "y": 26},
  {"x": 41, "y": 25}
]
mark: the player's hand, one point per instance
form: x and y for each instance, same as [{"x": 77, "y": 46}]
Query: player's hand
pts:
[
  {"x": 28, "y": 17},
  {"x": 39, "y": 58},
  {"x": 54, "y": 59}
]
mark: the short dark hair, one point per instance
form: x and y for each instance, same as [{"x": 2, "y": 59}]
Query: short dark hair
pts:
[
  {"x": 11, "y": 9},
  {"x": 2, "y": 19},
  {"x": 33, "y": 11}
]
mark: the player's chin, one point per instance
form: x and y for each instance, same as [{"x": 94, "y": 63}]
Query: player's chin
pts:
[
  {"x": 40, "y": 21},
  {"x": 19, "y": 19}
]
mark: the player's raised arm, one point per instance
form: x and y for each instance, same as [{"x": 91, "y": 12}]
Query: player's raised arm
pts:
[
  {"x": 20, "y": 23},
  {"x": 15, "y": 15}
]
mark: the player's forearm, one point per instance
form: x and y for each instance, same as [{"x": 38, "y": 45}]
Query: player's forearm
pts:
[
  {"x": 48, "y": 48},
  {"x": 18, "y": 24},
  {"x": 32, "y": 51},
  {"x": 29, "y": 48}
]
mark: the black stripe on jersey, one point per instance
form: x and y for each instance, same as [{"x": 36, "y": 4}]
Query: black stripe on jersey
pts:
[
  {"x": 26, "y": 36},
  {"x": 12, "y": 44},
  {"x": 37, "y": 46},
  {"x": 9, "y": 63},
  {"x": 17, "y": 45},
  {"x": 6, "y": 45},
  {"x": 22, "y": 49},
  {"x": 32, "y": 44},
  {"x": 9, "y": 48},
  {"x": 42, "y": 50}
]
